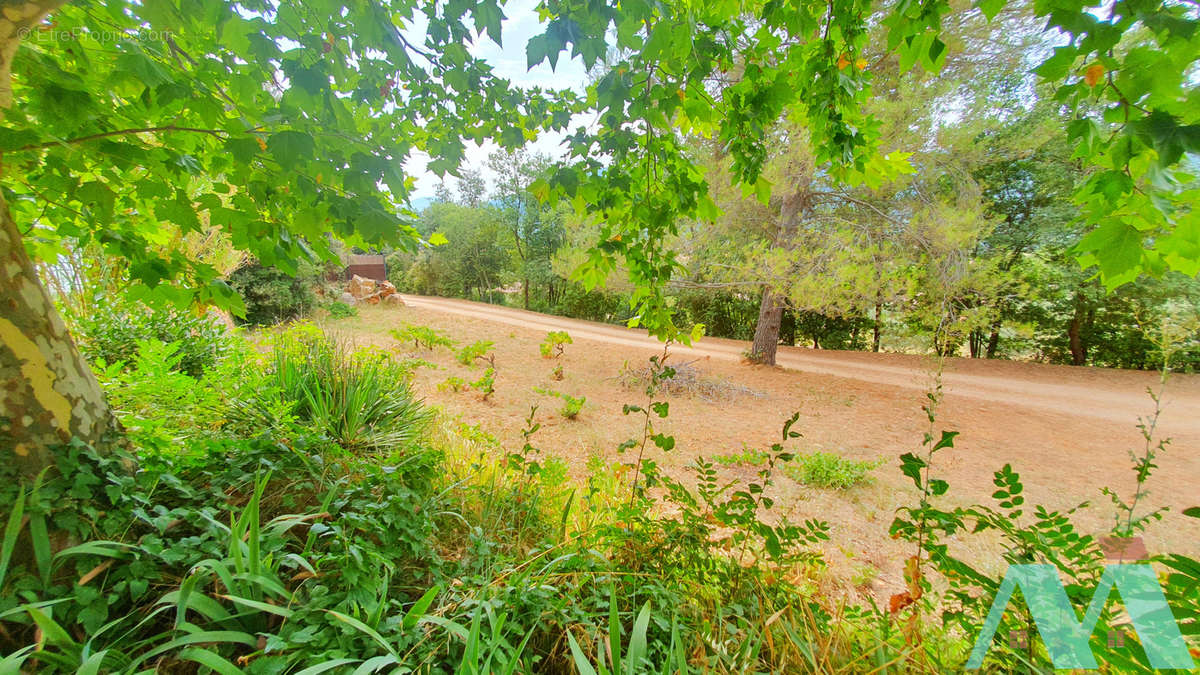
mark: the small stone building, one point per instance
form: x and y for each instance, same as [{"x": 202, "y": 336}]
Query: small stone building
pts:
[{"x": 366, "y": 266}]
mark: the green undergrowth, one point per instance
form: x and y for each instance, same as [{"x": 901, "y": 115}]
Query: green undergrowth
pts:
[{"x": 263, "y": 518}]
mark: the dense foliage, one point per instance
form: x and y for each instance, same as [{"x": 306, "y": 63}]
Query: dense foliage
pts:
[
  {"x": 111, "y": 329},
  {"x": 271, "y": 295}
]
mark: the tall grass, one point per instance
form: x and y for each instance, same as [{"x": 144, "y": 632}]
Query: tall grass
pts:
[{"x": 359, "y": 399}]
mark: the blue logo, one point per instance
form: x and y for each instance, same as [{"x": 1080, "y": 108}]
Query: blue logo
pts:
[{"x": 1066, "y": 638}]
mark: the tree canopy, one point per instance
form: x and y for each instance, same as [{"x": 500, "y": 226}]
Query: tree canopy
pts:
[{"x": 284, "y": 122}]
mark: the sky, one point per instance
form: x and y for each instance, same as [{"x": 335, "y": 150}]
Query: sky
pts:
[{"x": 520, "y": 24}]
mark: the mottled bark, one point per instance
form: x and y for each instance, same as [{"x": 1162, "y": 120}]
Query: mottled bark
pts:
[
  {"x": 17, "y": 19},
  {"x": 47, "y": 392},
  {"x": 766, "y": 331}
]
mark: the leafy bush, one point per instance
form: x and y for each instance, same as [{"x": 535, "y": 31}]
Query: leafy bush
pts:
[
  {"x": 422, "y": 335},
  {"x": 552, "y": 346},
  {"x": 486, "y": 384},
  {"x": 478, "y": 350},
  {"x": 273, "y": 296},
  {"x": 829, "y": 470},
  {"x": 360, "y": 400},
  {"x": 340, "y": 310},
  {"x": 115, "y": 328}
]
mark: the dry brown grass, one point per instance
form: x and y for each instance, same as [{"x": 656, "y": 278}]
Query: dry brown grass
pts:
[{"x": 689, "y": 381}]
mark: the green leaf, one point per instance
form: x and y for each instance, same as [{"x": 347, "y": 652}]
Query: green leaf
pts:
[
  {"x": 535, "y": 50},
  {"x": 338, "y": 663},
  {"x": 1116, "y": 248},
  {"x": 365, "y": 630},
  {"x": 12, "y": 530},
  {"x": 291, "y": 148},
  {"x": 582, "y": 664},
  {"x": 210, "y": 660},
  {"x": 419, "y": 608},
  {"x": 991, "y": 8}
]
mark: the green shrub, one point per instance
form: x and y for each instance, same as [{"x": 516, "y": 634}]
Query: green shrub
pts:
[
  {"x": 360, "y": 400},
  {"x": 340, "y": 310},
  {"x": 486, "y": 384},
  {"x": 422, "y": 336},
  {"x": 829, "y": 470},
  {"x": 273, "y": 296},
  {"x": 115, "y": 328},
  {"x": 552, "y": 346},
  {"x": 478, "y": 350}
]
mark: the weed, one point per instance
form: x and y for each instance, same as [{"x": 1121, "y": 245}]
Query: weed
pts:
[
  {"x": 454, "y": 384},
  {"x": 557, "y": 373},
  {"x": 571, "y": 405},
  {"x": 748, "y": 456},
  {"x": 830, "y": 470}
]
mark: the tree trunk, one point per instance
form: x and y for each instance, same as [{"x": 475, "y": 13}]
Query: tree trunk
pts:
[
  {"x": 1074, "y": 331},
  {"x": 877, "y": 329},
  {"x": 993, "y": 343},
  {"x": 525, "y": 283},
  {"x": 48, "y": 394},
  {"x": 766, "y": 332}
]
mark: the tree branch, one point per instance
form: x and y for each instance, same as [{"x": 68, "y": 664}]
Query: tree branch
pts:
[{"x": 120, "y": 132}]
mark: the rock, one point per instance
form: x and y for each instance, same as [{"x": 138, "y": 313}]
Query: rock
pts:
[
  {"x": 360, "y": 287},
  {"x": 394, "y": 300},
  {"x": 348, "y": 299},
  {"x": 386, "y": 289}
]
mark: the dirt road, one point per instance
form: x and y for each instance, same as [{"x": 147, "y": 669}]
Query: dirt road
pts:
[
  {"x": 1110, "y": 395},
  {"x": 1068, "y": 431}
]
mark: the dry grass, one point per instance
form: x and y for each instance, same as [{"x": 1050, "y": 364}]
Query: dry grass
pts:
[{"x": 689, "y": 381}]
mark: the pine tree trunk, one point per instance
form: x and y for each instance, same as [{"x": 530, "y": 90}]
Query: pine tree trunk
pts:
[
  {"x": 877, "y": 329},
  {"x": 48, "y": 395},
  {"x": 766, "y": 332}
]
